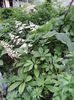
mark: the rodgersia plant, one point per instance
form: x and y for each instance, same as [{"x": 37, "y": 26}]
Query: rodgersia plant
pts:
[{"x": 44, "y": 69}]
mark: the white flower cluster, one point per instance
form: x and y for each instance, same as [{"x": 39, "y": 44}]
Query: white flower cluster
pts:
[
  {"x": 20, "y": 26},
  {"x": 8, "y": 49},
  {"x": 17, "y": 40}
]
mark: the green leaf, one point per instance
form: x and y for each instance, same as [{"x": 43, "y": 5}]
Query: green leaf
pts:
[
  {"x": 49, "y": 34},
  {"x": 26, "y": 96},
  {"x": 36, "y": 54},
  {"x": 46, "y": 27},
  {"x": 29, "y": 78},
  {"x": 28, "y": 66},
  {"x": 1, "y": 62},
  {"x": 13, "y": 86},
  {"x": 52, "y": 88},
  {"x": 46, "y": 51},
  {"x": 36, "y": 72},
  {"x": 26, "y": 69},
  {"x": 21, "y": 88},
  {"x": 36, "y": 92},
  {"x": 36, "y": 66},
  {"x": 28, "y": 63},
  {"x": 63, "y": 37},
  {"x": 40, "y": 81},
  {"x": 19, "y": 64},
  {"x": 3, "y": 52},
  {"x": 40, "y": 51},
  {"x": 20, "y": 50}
]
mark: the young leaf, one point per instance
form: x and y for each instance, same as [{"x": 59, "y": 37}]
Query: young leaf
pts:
[
  {"x": 40, "y": 51},
  {"x": 28, "y": 63},
  {"x": 21, "y": 88},
  {"x": 36, "y": 72},
  {"x": 29, "y": 78},
  {"x": 35, "y": 66}
]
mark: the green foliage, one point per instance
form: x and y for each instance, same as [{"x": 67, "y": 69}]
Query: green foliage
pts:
[
  {"x": 6, "y": 13},
  {"x": 65, "y": 85},
  {"x": 13, "y": 13},
  {"x": 20, "y": 14},
  {"x": 43, "y": 14},
  {"x": 70, "y": 21},
  {"x": 46, "y": 71},
  {"x": 41, "y": 71}
]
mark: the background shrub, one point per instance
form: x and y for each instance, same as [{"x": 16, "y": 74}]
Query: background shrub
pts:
[
  {"x": 6, "y": 13},
  {"x": 13, "y": 13},
  {"x": 43, "y": 14},
  {"x": 20, "y": 14}
]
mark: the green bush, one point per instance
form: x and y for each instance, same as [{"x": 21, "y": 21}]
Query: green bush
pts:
[
  {"x": 43, "y": 71},
  {"x": 20, "y": 15},
  {"x": 6, "y": 13},
  {"x": 43, "y": 14},
  {"x": 70, "y": 21},
  {"x": 13, "y": 13}
]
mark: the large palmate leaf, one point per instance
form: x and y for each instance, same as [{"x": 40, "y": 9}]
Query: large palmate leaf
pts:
[
  {"x": 64, "y": 38},
  {"x": 49, "y": 34},
  {"x": 28, "y": 66},
  {"x": 41, "y": 53}
]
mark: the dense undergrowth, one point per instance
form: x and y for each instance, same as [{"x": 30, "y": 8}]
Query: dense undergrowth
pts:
[{"x": 44, "y": 69}]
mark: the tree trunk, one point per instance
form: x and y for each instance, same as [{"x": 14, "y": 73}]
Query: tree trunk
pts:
[
  {"x": 6, "y": 3},
  {"x": 1, "y": 3}
]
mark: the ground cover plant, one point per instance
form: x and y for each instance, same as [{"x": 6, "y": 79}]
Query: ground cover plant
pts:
[{"x": 37, "y": 61}]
